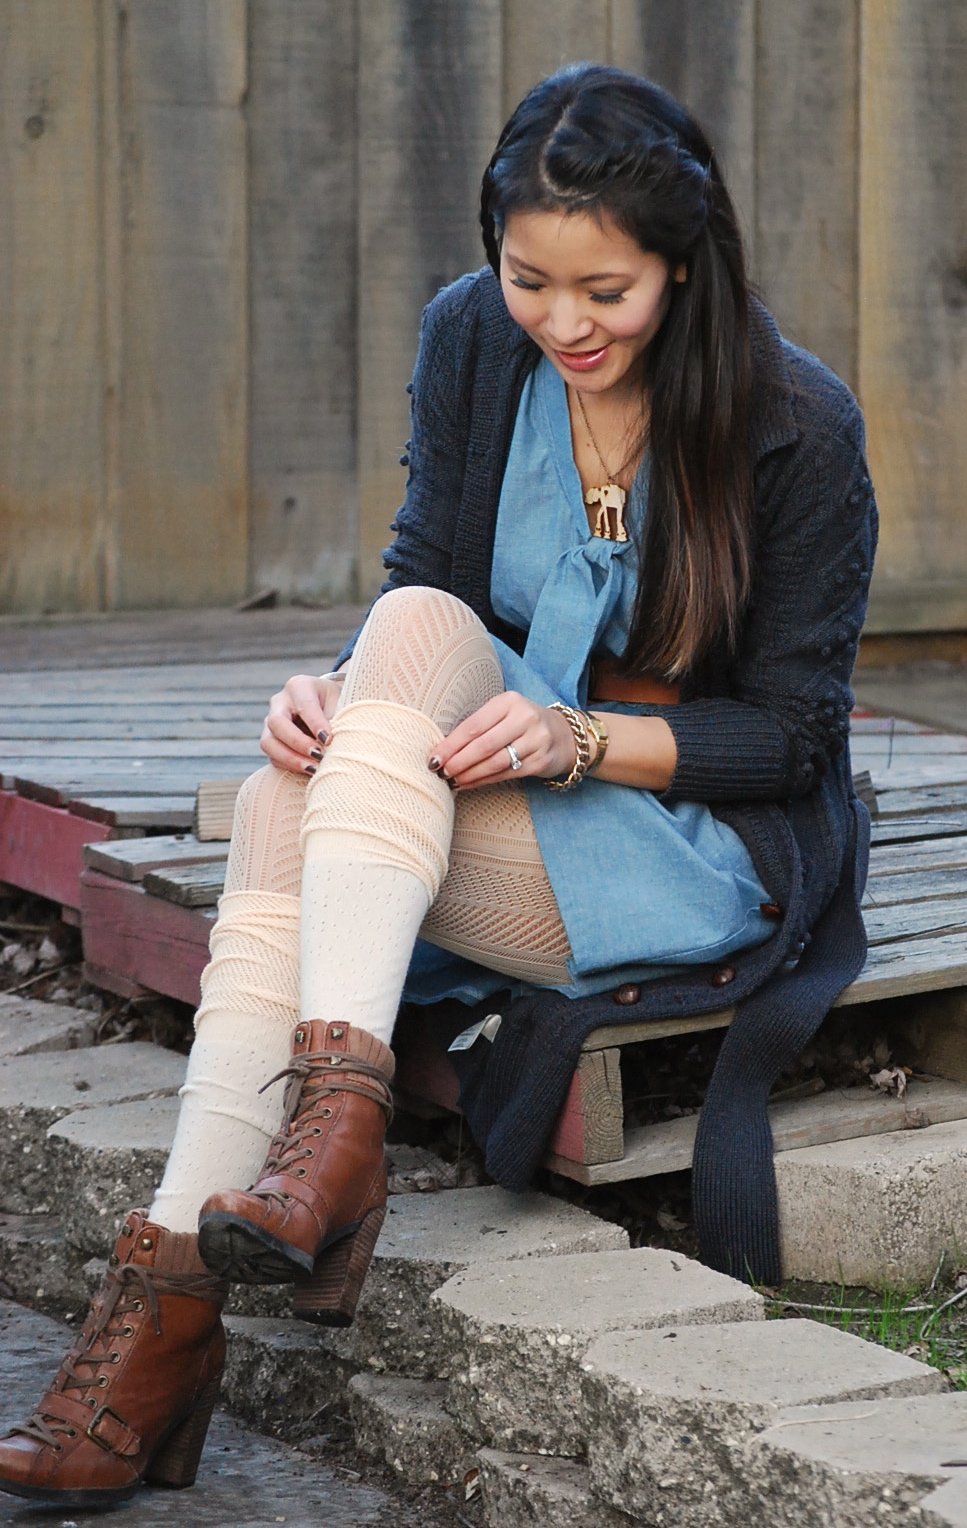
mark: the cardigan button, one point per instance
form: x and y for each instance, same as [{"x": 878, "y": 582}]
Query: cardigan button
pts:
[
  {"x": 724, "y": 976},
  {"x": 627, "y": 995},
  {"x": 770, "y": 909},
  {"x": 404, "y": 460}
]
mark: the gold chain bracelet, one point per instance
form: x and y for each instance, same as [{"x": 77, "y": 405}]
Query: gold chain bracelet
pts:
[{"x": 582, "y": 749}]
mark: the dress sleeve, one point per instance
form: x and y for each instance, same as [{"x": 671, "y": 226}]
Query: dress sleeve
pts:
[{"x": 787, "y": 712}]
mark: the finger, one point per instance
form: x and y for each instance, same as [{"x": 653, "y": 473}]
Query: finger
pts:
[
  {"x": 302, "y": 698},
  {"x": 286, "y": 731},
  {"x": 496, "y": 711},
  {"x": 285, "y": 758}
]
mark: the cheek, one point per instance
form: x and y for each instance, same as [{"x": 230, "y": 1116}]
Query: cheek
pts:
[
  {"x": 640, "y": 321},
  {"x": 520, "y": 305}
]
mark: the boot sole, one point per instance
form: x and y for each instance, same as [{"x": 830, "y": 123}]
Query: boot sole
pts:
[
  {"x": 246, "y": 1254},
  {"x": 59, "y": 1499}
]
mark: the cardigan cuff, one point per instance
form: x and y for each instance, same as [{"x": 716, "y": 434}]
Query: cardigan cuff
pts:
[{"x": 728, "y": 751}]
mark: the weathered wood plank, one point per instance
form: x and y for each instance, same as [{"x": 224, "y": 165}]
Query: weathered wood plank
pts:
[
  {"x": 923, "y": 798},
  {"x": 431, "y": 118},
  {"x": 303, "y": 65},
  {"x": 541, "y": 35},
  {"x": 78, "y": 753},
  {"x": 907, "y": 774},
  {"x": 41, "y": 848},
  {"x": 892, "y": 830},
  {"x": 704, "y": 53},
  {"x": 57, "y": 788},
  {"x": 131, "y": 858},
  {"x": 913, "y": 307},
  {"x": 807, "y": 184},
  {"x": 929, "y": 964},
  {"x": 187, "y": 885},
  {"x": 904, "y": 919},
  {"x": 215, "y": 808},
  {"x": 51, "y": 730},
  {"x": 171, "y": 812},
  {"x": 919, "y": 886},
  {"x": 183, "y": 450},
  {"x": 51, "y": 484},
  {"x": 590, "y": 1126},
  {"x": 939, "y": 853},
  {"x": 151, "y": 943},
  {"x": 841, "y": 1116}
]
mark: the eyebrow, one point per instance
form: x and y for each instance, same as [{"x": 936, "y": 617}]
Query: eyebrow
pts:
[{"x": 597, "y": 276}]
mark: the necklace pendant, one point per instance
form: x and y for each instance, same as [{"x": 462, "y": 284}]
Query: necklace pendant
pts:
[{"x": 609, "y": 497}]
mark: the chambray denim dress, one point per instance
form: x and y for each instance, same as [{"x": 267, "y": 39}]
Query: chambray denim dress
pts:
[{"x": 642, "y": 888}]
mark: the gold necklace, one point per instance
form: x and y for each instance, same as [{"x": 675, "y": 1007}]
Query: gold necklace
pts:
[{"x": 610, "y": 495}]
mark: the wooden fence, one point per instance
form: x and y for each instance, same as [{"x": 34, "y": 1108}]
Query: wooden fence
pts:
[{"x": 219, "y": 221}]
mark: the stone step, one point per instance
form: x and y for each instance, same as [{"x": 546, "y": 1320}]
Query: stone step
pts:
[
  {"x": 282, "y": 1376},
  {"x": 426, "y": 1239},
  {"x": 405, "y": 1423},
  {"x": 38, "y": 1090},
  {"x": 671, "y": 1413},
  {"x": 106, "y": 1161},
  {"x": 877, "y": 1211},
  {"x": 29, "y": 1027},
  {"x": 526, "y": 1491},
  {"x": 36, "y": 1263},
  {"x": 517, "y": 1334},
  {"x": 865, "y": 1464}
]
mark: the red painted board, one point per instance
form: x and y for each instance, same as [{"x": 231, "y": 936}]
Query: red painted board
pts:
[
  {"x": 568, "y": 1139},
  {"x": 40, "y": 847},
  {"x": 150, "y": 942}
]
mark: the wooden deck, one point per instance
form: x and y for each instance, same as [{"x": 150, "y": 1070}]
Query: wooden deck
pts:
[{"x": 103, "y": 766}]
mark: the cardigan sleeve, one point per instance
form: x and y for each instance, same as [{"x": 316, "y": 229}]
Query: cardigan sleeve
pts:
[{"x": 786, "y": 714}]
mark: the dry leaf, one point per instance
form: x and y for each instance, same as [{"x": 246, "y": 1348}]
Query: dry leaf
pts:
[
  {"x": 668, "y": 1221},
  {"x": 471, "y": 1485},
  {"x": 892, "y": 1079}
]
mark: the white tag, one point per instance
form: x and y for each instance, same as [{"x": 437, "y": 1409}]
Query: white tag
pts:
[{"x": 487, "y": 1027}]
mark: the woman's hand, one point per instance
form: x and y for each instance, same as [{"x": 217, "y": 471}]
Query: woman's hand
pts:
[
  {"x": 299, "y": 723},
  {"x": 475, "y": 752}
]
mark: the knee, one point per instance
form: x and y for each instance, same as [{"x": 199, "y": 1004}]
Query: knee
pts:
[{"x": 399, "y": 608}]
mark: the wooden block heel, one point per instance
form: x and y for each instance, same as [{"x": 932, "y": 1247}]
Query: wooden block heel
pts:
[
  {"x": 176, "y": 1462},
  {"x": 330, "y": 1294}
]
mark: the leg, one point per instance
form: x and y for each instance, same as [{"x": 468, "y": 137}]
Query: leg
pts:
[
  {"x": 496, "y": 905},
  {"x": 376, "y": 837},
  {"x": 134, "y": 1395}
]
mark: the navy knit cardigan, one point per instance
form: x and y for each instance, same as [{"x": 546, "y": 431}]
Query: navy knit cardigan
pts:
[{"x": 762, "y": 738}]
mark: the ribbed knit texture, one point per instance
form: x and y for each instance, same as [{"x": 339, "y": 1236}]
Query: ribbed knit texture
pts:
[{"x": 752, "y": 733}]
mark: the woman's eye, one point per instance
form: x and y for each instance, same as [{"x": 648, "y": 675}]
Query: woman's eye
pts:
[
  {"x": 611, "y": 297},
  {"x": 525, "y": 286}
]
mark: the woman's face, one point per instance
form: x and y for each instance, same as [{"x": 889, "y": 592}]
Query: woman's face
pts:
[{"x": 587, "y": 293}]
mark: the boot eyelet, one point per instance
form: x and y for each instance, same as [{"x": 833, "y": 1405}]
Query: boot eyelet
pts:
[
  {"x": 146, "y": 1244},
  {"x": 139, "y": 1305},
  {"x": 300, "y": 1172},
  {"x": 115, "y": 1358},
  {"x": 326, "y": 1114},
  {"x": 57, "y": 1447},
  {"x": 102, "y": 1381},
  {"x": 127, "y": 1331},
  {"x": 309, "y": 1152},
  {"x": 72, "y": 1432},
  {"x": 113, "y": 1260}
]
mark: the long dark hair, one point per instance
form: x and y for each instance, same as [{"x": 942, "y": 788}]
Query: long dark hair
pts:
[{"x": 598, "y": 140}]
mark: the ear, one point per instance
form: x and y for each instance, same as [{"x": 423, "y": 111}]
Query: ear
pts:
[{"x": 680, "y": 274}]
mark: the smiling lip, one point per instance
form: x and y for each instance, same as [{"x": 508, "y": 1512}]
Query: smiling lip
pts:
[{"x": 582, "y": 360}]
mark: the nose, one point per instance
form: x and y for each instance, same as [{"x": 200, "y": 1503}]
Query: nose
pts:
[{"x": 568, "y": 321}]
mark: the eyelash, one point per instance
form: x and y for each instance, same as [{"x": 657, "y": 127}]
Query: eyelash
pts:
[{"x": 610, "y": 298}]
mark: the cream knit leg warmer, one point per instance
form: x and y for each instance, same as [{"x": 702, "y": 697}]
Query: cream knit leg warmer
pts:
[
  {"x": 377, "y": 829},
  {"x": 250, "y": 1004}
]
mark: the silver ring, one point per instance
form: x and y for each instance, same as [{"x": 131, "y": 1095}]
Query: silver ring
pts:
[{"x": 515, "y": 759}]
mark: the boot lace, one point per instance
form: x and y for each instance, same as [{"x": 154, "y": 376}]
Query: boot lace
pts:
[
  {"x": 309, "y": 1087},
  {"x": 127, "y": 1291}
]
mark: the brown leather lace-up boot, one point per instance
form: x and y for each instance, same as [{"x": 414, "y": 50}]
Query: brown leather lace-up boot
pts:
[
  {"x": 134, "y": 1396},
  {"x": 315, "y": 1213}
]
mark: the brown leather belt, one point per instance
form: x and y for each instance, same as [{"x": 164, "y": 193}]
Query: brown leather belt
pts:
[{"x": 607, "y": 684}]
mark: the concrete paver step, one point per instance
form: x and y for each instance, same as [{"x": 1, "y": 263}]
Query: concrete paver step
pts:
[
  {"x": 426, "y": 1239},
  {"x": 518, "y": 1332},
  {"x": 863, "y": 1463},
  {"x": 29, "y": 1027},
  {"x": 282, "y": 1375},
  {"x": 38, "y": 1090},
  {"x": 36, "y": 1261},
  {"x": 105, "y": 1161},
  {"x": 875, "y": 1211},
  {"x": 527, "y": 1491},
  {"x": 405, "y": 1423},
  {"x": 670, "y": 1413}
]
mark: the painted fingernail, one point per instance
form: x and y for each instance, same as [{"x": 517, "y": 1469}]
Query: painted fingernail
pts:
[
  {"x": 315, "y": 753},
  {"x": 324, "y": 737},
  {"x": 434, "y": 764},
  {"x": 309, "y": 769},
  {"x": 452, "y": 783}
]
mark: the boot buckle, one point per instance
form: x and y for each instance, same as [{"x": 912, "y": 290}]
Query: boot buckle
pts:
[{"x": 114, "y": 1440}]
